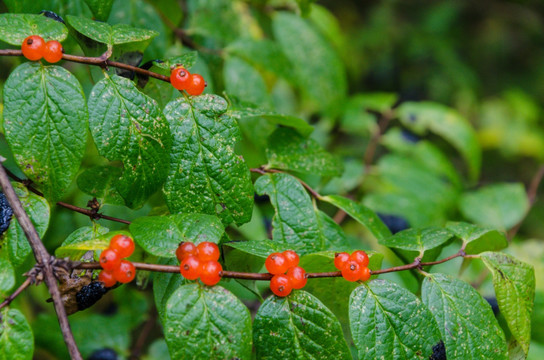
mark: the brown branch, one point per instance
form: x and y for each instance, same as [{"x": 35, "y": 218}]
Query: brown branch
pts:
[
  {"x": 43, "y": 259},
  {"x": 90, "y": 213},
  {"x": 144, "y": 334},
  {"x": 16, "y": 293},
  {"x": 263, "y": 170},
  {"x": 383, "y": 122}
]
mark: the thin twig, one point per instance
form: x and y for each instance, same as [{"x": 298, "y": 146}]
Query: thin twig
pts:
[
  {"x": 383, "y": 122},
  {"x": 43, "y": 259},
  {"x": 16, "y": 293},
  {"x": 144, "y": 334}
]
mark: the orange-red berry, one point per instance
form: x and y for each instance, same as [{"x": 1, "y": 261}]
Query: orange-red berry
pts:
[
  {"x": 208, "y": 251},
  {"x": 340, "y": 259},
  {"x": 365, "y": 274},
  {"x": 281, "y": 285},
  {"x": 190, "y": 267},
  {"x": 291, "y": 257},
  {"x": 125, "y": 272},
  {"x": 196, "y": 85},
  {"x": 360, "y": 256},
  {"x": 276, "y": 263},
  {"x": 122, "y": 244},
  {"x": 180, "y": 78},
  {"x": 297, "y": 276},
  {"x": 352, "y": 270},
  {"x": 33, "y": 47},
  {"x": 210, "y": 272},
  {"x": 109, "y": 259},
  {"x": 106, "y": 276},
  {"x": 185, "y": 249},
  {"x": 52, "y": 51}
]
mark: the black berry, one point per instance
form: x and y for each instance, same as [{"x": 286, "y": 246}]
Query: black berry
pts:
[
  {"x": 103, "y": 354},
  {"x": 5, "y": 213},
  {"x": 439, "y": 352},
  {"x": 494, "y": 305},
  {"x": 90, "y": 294},
  {"x": 395, "y": 223}
]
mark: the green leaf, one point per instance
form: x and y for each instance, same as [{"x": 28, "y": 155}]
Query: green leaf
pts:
[
  {"x": 7, "y": 276},
  {"x": 115, "y": 335},
  {"x": 100, "y": 8},
  {"x": 251, "y": 116},
  {"x": 164, "y": 285},
  {"x": 45, "y": 124},
  {"x": 207, "y": 323},
  {"x": 187, "y": 60},
  {"x": 16, "y": 339},
  {"x": 129, "y": 126},
  {"x": 361, "y": 214},
  {"x": 498, "y": 206},
  {"x": 14, "y": 28},
  {"x": 418, "y": 240},
  {"x": 82, "y": 240},
  {"x": 206, "y": 175},
  {"x": 298, "y": 326},
  {"x": 478, "y": 239},
  {"x": 357, "y": 119},
  {"x": 388, "y": 319},
  {"x": 14, "y": 240},
  {"x": 288, "y": 150},
  {"x": 296, "y": 222},
  {"x": 465, "y": 319},
  {"x": 318, "y": 70},
  {"x": 99, "y": 182},
  {"x": 260, "y": 248},
  {"x": 514, "y": 283},
  {"x": 245, "y": 82},
  {"x": 110, "y": 34},
  {"x": 161, "y": 235},
  {"x": 447, "y": 123}
]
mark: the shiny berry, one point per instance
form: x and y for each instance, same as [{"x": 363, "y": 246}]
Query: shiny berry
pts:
[
  {"x": 190, "y": 267},
  {"x": 297, "y": 276},
  {"x": 123, "y": 245},
  {"x": 208, "y": 251},
  {"x": 352, "y": 270},
  {"x": 360, "y": 256},
  {"x": 276, "y": 263},
  {"x": 125, "y": 273},
  {"x": 340, "y": 259},
  {"x": 180, "y": 78},
  {"x": 106, "y": 276},
  {"x": 196, "y": 85},
  {"x": 185, "y": 249},
  {"x": 210, "y": 272},
  {"x": 281, "y": 285},
  {"x": 365, "y": 274},
  {"x": 33, "y": 47},
  {"x": 52, "y": 52},
  {"x": 291, "y": 257},
  {"x": 110, "y": 259}
]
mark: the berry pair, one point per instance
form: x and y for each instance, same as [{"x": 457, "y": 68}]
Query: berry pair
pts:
[
  {"x": 199, "y": 261},
  {"x": 34, "y": 48},
  {"x": 182, "y": 79},
  {"x": 116, "y": 269},
  {"x": 287, "y": 274},
  {"x": 353, "y": 267}
]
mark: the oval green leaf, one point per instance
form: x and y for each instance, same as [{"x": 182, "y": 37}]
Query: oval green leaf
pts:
[
  {"x": 14, "y": 28},
  {"x": 16, "y": 338}
]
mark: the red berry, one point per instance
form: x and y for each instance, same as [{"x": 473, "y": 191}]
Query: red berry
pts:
[
  {"x": 196, "y": 85},
  {"x": 122, "y": 244},
  {"x": 52, "y": 52},
  {"x": 291, "y": 257},
  {"x": 360, "y": 256},
  {"x": 365, "y": 274},
  {"x": 297, "y": 276},
  {"x": 210, "y": 272},
  {"x": 190, "y": 267},
  {"x": 107, "y": 278},
  {"x": 340, "y": 259},
  {"x": 352, "y": 270},
  {"x": 33, "y": 47},
  {"x": 276, "y": 263},
  {"x": 208, "y": 251},
  {"x": 109, "y": 259},
  {"x": 281, "y": 285},
  {"x": 125, "y": 272},
  {"x": 185, "y": 249},
  {"x": 180, "y": 78}
]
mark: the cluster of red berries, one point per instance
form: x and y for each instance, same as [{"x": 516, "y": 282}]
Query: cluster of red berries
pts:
[
  {"x": 199, "y": 261},
  {"x": 287, "y": 274},
  {"x": 182, "y": 79},
  {"x": 353, "y": 267},
  {"x": 34, "y": 48},
  {"x": 111, "y": 260}
]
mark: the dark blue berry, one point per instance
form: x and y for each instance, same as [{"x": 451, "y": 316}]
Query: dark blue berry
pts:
[
  {"x": 395, "y": 223},
  {"x": 5, "y": 213},
  {"x": 439, "y": 352},
  {"x": 494, "y": 305},
  {"x": 103, "y": 354},
  {"x": 410, "y": 137},
  {"x": 52, "y": 15}
]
